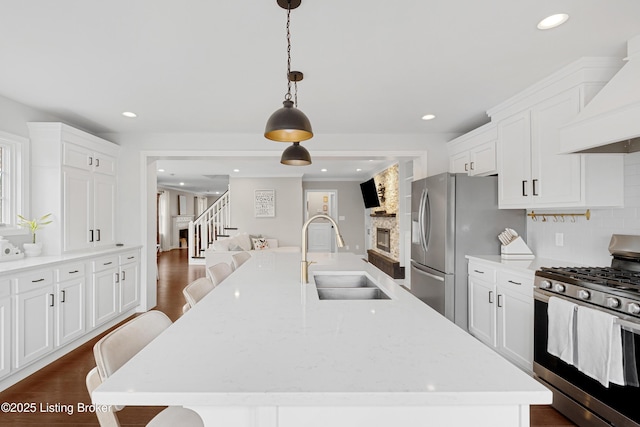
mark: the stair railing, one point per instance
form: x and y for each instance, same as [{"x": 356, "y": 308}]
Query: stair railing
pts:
[{"x": 205, "y": 229}]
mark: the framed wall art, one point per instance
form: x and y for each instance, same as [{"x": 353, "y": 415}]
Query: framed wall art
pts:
[{"x": 265, "y": 203}]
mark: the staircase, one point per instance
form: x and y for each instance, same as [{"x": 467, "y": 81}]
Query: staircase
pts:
[{"x": 208, "y": 227}]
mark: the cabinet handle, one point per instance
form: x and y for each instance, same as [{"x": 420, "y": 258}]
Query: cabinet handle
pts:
[
  {"x": 98, "y": 230},
  {"x": 51, "y": 300},
  {"x": 74, "y": 272},
  {"x": 478, "y": 271},
  {"x": 466, "y": 167},
  {"x": 91, "y": 238},
  {"x": 472, "y": 168},
  {"x": 499, "y": 300},
  {"x": 535, "y": 191},
  {"x": 123, "y": 277},
  {"x": 490, "y": 297},
  {"x": 37, "y": 280},
  {"x": 97, "y": 163},
  {"x": 515, "y": 283},
  {"x": 64, "y": 296},
  {"x": 524, "y": 188},
  {"x": 130, "y": 257},
  {"x": 90, "y": 161},
  {"x": 108, "y": 263},
  {"x": 117, "y": 277}
]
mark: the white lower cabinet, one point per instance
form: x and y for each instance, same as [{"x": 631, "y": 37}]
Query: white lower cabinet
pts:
[
  {"x": 34, "y": 314},
  {"x": 45, "y": 309},
  {"x": 5, "y": 333},
  {"x": 501, "y": 311},
  {"x": 105, "y": 290},
  {"x": 129, "y": 280},
  {"x": 70, "y": 303}
]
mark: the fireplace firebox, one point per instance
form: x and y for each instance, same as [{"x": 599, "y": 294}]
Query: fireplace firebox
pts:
[{"x": 383, "y": 239}]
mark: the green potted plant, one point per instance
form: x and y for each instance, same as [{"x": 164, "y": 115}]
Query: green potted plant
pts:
[{"x": 34, "y": 248}]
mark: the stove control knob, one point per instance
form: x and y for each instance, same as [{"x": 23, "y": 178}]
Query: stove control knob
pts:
[
  {"x": 582, "y": 294},
  {"x": 559, "y": 287},
  {"x": 545, "y": 284},
  {"x": 613, "y": 302},
  {"x": 633, "y": 308}
]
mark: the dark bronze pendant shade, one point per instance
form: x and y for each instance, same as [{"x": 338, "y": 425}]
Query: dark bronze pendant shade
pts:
[
  {"x": 288, "y": 124},
  {"x": 296, "y": 155}
]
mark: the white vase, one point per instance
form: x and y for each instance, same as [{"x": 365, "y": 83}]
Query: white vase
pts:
[{"x": 32, "y": 249}]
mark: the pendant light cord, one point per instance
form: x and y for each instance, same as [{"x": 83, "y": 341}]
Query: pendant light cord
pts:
[{"x": 288, "y": 95}]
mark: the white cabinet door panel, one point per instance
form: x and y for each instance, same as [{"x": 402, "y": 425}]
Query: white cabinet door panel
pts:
[
  {"x": 70, "y": 312},
  {"x": 515, "y": 327},
  {"x": 106, "y": 296},
  {"x": 78, "y": 210},
  {"x": 5, "y": 336},
  {"x": 129, "y": 286},
  {"x": 555, "y": 178},
  {"x": 482, "y": 312},
  {"x": 34, "y": 325},
  {"x": 514, "y": 160},
  {"x": 104, "y": 214}
]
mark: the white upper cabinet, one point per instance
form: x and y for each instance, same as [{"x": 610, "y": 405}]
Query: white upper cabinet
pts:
[
  {"x": 531, "y": 173},
  {"x": 474, "y": 153},
  {"x": 74, "y": 178}
]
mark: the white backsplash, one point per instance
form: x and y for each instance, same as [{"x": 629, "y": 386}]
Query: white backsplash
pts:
[{"x": 586, "y": 242}]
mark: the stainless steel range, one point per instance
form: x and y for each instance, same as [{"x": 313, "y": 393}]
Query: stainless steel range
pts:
[{"x": 615, "y": 290}]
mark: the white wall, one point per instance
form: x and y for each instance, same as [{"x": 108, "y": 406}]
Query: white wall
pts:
[
  {"x": 286, "y": 224},
  {"x": 351, "y": 207},
  {"x": 586, "y": 242}
]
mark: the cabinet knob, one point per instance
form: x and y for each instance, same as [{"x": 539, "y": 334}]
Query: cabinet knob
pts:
[{"x": 472, "y": 167}]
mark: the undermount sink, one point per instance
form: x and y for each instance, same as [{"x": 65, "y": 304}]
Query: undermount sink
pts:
[
  {"x": 351, "y": 293},
  {"x": 346, "y": 280},
  {"x": 347, "y": 286}
]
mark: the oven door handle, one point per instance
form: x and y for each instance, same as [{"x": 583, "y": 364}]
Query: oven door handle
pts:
[{"x": 627, "y": 324}]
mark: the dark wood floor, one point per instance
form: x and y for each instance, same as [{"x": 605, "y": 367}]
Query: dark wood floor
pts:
[{"x": 62, "y": 382}]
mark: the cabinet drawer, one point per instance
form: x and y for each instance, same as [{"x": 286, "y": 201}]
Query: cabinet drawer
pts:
[
  {"x": 518, "y": 282},
  {"x": 129, "y": 257},
  {"x": 105, "y": 263},
  {"x": 482, "y": 271},
  {"x": 70, "y": 271},
  {"x": 33, "y": 280}
]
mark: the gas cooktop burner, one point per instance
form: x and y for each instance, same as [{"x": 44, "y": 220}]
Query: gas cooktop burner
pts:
[{"x": 605, "y": 276}]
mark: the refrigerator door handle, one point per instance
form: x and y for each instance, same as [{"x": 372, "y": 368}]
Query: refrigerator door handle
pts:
[
  {"x": 433, "y": 276},
  {"x": 421, "y": 219},
  {"x": 426, "y": 221}
]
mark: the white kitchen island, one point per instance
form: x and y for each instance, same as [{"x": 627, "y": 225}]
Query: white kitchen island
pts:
[{"x": 262, "y": 350}]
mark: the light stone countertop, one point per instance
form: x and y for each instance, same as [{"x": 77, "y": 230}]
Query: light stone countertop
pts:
[
  {"x": 44, "y": 261},
  {"x": 261, "y": 338},
  {"x": 523, "y": 266}
]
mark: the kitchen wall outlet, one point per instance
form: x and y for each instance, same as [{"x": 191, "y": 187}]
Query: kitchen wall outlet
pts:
[
  {"x": 341, "y": 218},
  {"x": 559, "y": 239}
]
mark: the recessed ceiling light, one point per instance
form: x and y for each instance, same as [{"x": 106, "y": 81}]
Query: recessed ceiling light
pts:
[
  {"x": 236, "y": 170},
  {"x": 323, "y": 170},
  {"x": 428, "y": 117},
  {"x": 182, "y": 183},
  {"x": 160, "y": 170},
  {"x": 358, "y": 170},
  {"x": 553, "y": 21},
  {"x": 217, "y": 192},
  {"x": 130, "y": 114}
]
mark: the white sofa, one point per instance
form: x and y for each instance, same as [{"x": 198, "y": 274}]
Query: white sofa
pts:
[{"x": 222, "y": 250}]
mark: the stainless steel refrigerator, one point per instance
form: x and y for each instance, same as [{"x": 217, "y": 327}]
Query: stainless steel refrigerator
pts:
[{"x": 453, "y": 215}]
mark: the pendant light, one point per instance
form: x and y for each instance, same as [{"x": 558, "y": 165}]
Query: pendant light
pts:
[
  {"x": 288, "y": 124},
  {"x": 296, "y": 155}
]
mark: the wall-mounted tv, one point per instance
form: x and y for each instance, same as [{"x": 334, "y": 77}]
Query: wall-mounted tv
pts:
[{"x": 370, "y": 194}]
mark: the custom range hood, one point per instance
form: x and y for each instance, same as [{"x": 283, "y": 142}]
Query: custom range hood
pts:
[{"x": 610, "y": 123}]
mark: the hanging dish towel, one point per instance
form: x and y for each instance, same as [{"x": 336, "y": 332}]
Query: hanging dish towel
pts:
[
  {"x": 599, "y": 346},
  {"x": 561, "y": 341}
]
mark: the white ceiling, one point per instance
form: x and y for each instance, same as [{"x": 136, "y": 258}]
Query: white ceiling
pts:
[{"x": 371, "y": 66}]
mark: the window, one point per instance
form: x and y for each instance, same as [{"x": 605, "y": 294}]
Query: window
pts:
[{"x": 13, "y": 181}]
